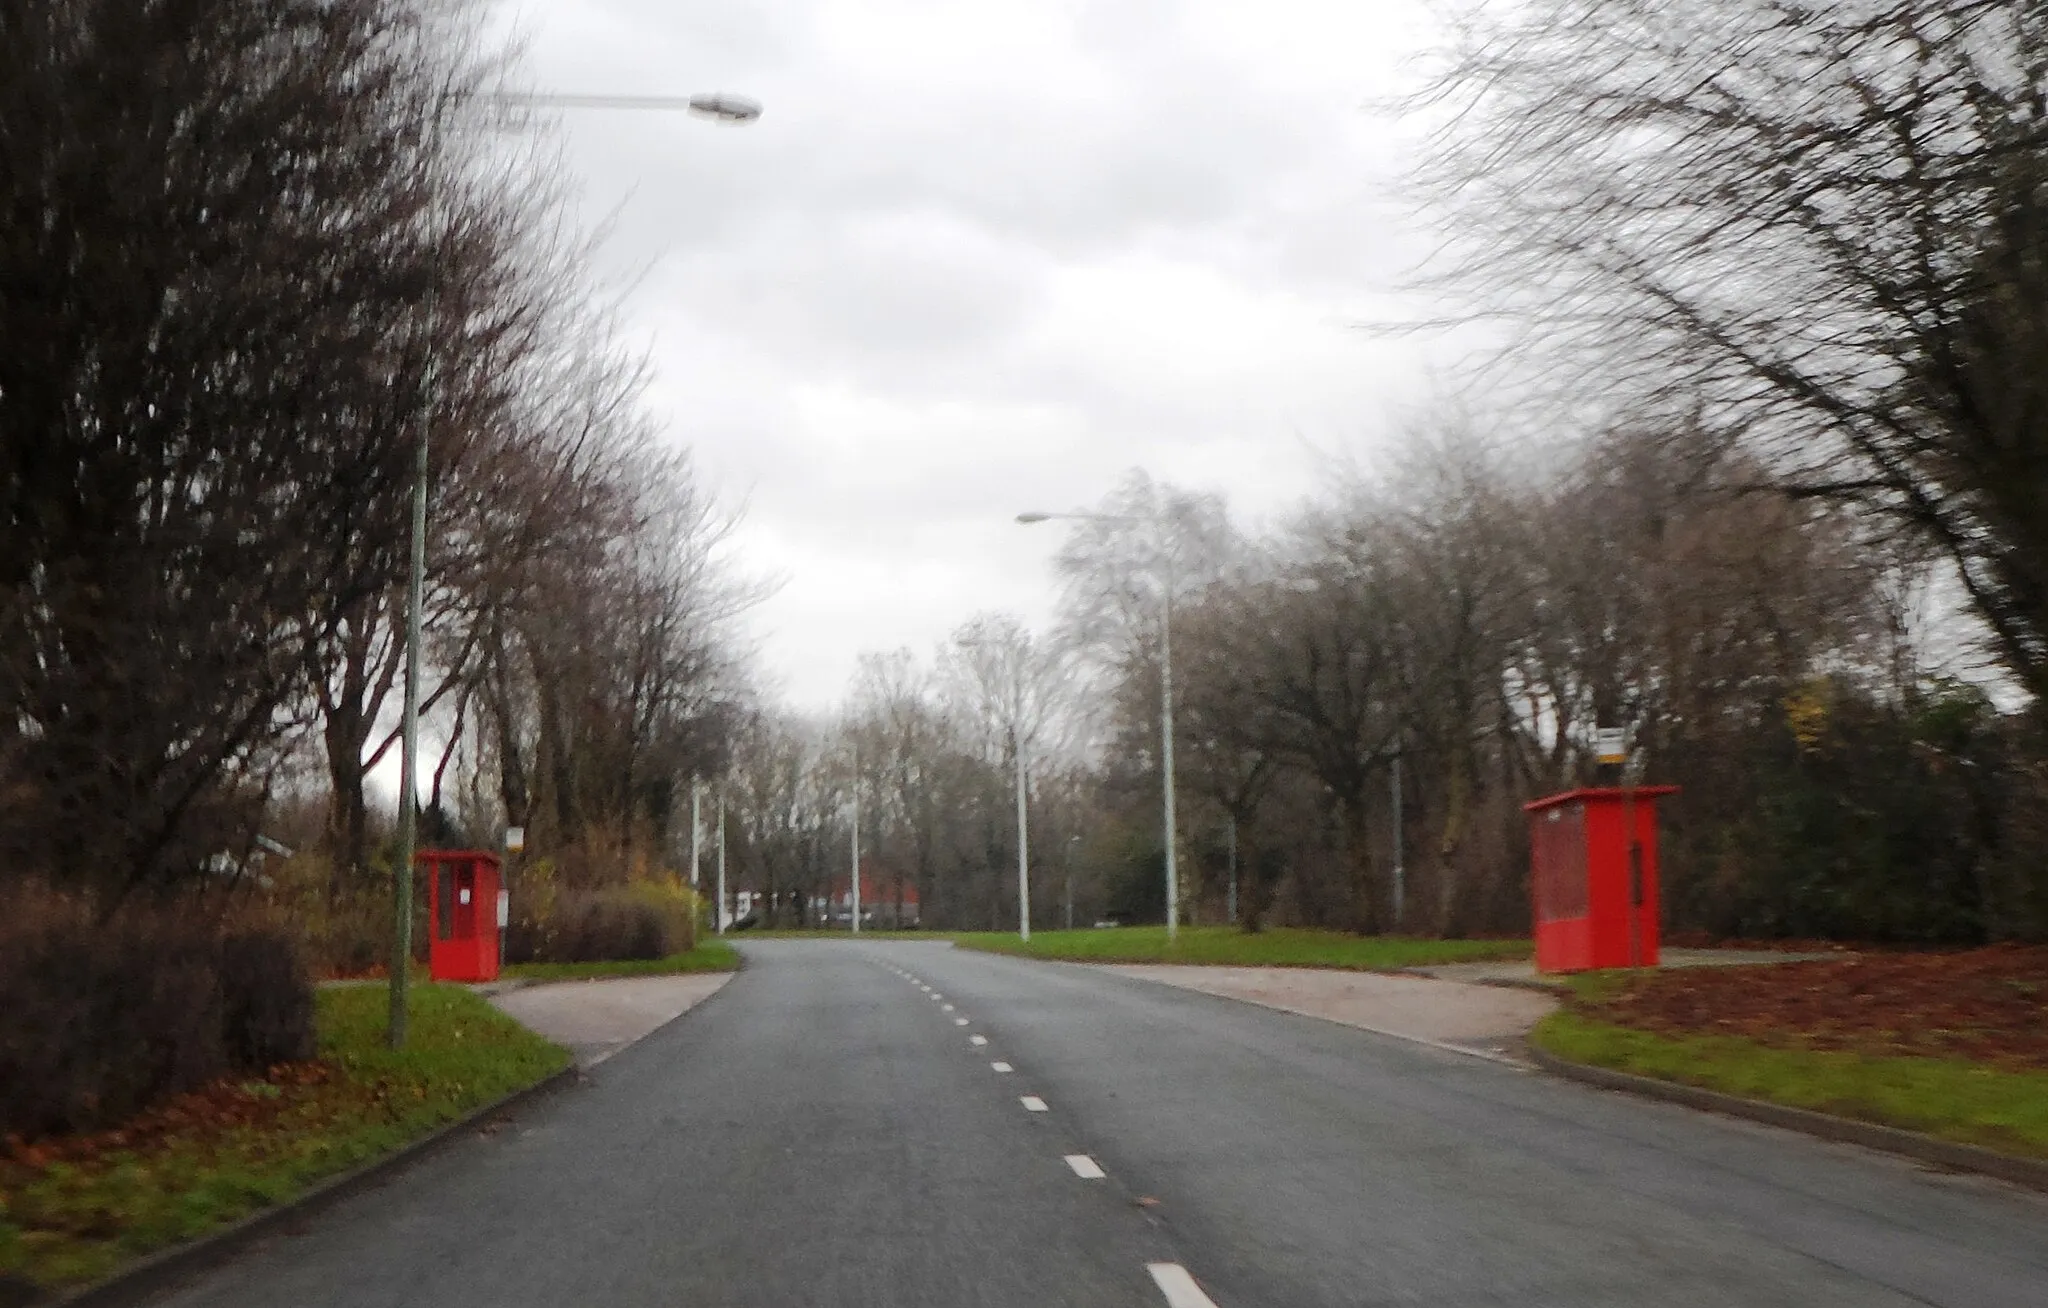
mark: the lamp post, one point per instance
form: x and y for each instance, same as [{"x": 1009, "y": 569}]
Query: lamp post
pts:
[
  {"x": 720, "y": 915},
  {"x": 1231, "y": 912},
  {"x": 715, "y": 105},
  {"x": 853, "y": 881},
  {"x": 1165, "y": 693},
  {"x": 1016, "y": 736},
  {"x": 1073, "y": 851},
  {"x": 696, "y": 829},
  {"x": 1023, "y": 842}
]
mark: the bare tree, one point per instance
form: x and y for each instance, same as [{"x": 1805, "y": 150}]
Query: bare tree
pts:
[
  {"x": 1145, "y": 544},
  {"x": 1013, "y": 693},
  {"x": 1821, "y": 228},
  {"x": 216, "y": 216}
]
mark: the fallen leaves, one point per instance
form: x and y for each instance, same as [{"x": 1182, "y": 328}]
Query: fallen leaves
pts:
[
  {"x": 230, "y": 1104},
  {"x": 73, "y": 1208},
  {"x": 1990, "y": 1004}
]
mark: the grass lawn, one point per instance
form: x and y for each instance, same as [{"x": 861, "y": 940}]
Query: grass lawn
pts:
[
  {"x": 1958, "y": 1099},
  {"x": 708, "y": 956},
  {"x": 1274, "y": 947},
  {"x": 74, "y": 1209},
  {"x": 838, "y": 933}
]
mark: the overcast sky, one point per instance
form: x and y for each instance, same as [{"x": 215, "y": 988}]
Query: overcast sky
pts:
[{"x": 982, "y": 257}]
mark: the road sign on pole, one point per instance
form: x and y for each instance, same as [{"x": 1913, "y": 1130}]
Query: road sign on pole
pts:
[{"x": 1611, "y": 745}]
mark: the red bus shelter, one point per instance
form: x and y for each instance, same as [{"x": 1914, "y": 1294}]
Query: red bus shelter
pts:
[
  {"x": 465, "y": 913},
  {"x": 1587, "y": 913}
]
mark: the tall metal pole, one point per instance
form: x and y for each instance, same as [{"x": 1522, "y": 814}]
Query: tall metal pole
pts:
[
  {"x": 1023, "y": 844},
  {"x": 1233, "y": 869},
  {"x": 1166, "y": 747},
  {"x": 409, "y": 738},
  {"x": 696, "y": 830},
  {"x": 1072, "y": 841},
  {"x": 720, "y": 917},
  {"x": 856, "y": 842},
  {"x": 1400, "y": 872},
  {"x": 729, "y": 108}
]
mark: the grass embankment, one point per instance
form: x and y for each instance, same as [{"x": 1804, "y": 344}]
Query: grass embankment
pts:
[
  {"x": 72, "y": 1210},
  {"x": 1934, "y": 1044},
  {"x": 708, "y": 956},
  {"x": 1225, "y": 945}
]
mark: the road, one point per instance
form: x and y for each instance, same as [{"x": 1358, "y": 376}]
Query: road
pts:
[{"x": 827, "y": 1131}]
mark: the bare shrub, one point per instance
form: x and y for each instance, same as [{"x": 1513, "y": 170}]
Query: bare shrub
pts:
[{"x": 99, "y": 1016}]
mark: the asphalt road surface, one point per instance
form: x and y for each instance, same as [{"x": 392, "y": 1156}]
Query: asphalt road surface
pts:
[{"x": 827, "y": 1130}]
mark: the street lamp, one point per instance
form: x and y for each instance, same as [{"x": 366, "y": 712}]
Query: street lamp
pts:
[
  {"x": 853, "y": 884},
  {"x": 718, "y": 106},
  {"x": 715, "y": 105},
  {"x": 1073, "y": 852},
  {"x": 1165, "y": 693}
]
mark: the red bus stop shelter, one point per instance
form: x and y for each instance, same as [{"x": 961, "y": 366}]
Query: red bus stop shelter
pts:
[{"x": 1593, "y": 897}]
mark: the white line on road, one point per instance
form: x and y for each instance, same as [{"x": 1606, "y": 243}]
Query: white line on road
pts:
[
  {"x": 959, "y": 1021},
  {"x": 1032, "y": 1103},
  {"x": 1178, "y": 1287},
  {"x": 1002, "y": 1067},
  {"x": 1085, "y": 1167},
  {"x": 948, "y": 1008},
  {"x": 936, "y": 996},
  {"x": 977, "y": 1041}
]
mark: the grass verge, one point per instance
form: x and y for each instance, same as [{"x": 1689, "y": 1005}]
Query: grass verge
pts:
[
  {"x": 1274, "y": 947},
  {"x": 1955, "y": 1099},
  {"x": 73, "y": 1210},
  {"x": 835, "y": 933},
  {"x": 708, "y": 956}
]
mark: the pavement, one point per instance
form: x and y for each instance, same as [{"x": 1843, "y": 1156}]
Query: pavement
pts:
[
  {"x": 1523, "y": 971},
  {"x": 1487, "y": 1021},
  {"x": 597, "y": 1018},
  {"x": 885, "y": 1123}
]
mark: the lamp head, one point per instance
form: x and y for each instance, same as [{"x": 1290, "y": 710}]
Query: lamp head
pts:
[{"x": 724, "y": 107}]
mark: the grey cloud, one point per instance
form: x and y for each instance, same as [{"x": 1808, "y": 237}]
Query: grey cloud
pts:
[{"x": 948, "y": 276}]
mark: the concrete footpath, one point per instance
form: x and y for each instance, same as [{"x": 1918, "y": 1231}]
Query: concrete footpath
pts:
[
  {"x": 1485, "y": 1008},
  {"x": 1484, "y": 1020},
  {"x": 597, "y": 1018},
  {"x": 1523, "y": 971}
]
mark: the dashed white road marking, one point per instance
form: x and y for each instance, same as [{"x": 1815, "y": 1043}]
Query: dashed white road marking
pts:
[
  {"x": 948, "y": 1008},
  {"x": 1178, "y": 1287},
  {"x": 959, "y": 1021},
  {"x": 1085, "y": 1167},
  {"x": 936, "y": 996},
  {"x": 1032, "y": 1104},
  {"x": 1002, "y": 1067},
  {"x": 977, "y": 1041}
]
